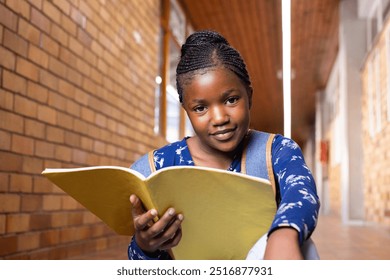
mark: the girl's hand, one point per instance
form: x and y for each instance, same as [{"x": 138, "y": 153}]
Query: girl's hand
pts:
[{"x": 152, "y": 236}]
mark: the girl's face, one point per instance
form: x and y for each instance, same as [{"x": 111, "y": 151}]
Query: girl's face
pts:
[{"x": 217, "y": 104}]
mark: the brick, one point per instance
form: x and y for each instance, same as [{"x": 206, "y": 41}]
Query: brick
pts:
[
  {"x": 37, "y": 92},
  {"x": 69, "y": 203},
  {"x": 51, "y": 202},
  {"x": 35, "y": 129},
  {"x": 21, "y": 183},
  {"x": 41, "y": 185},
  {"x": 9, "y": 203},
  {"x": 17, "y": 223},
  {"x": 86, "y": 143},
  {"x": 67, "y": 56},
  {"x": 52, "y": 12},
  {"x": 75, "y": 218},
  {"x": 15, "y": 43},
  {"x": 8, "y": 18},
  {"x": 28, "y": 241},
  {"x": 10, "y": 162},
  {"x": 14, "y": 83},
  {"x": 26, "y": 107},
  {"x": 29, "y": 32},
  {"x": 47, "y": 114},
  {"x": 27, "y": 69},
  {"x": 87, "y": 114},
  {"x": 58, "y": 34},
  {"x": 40, "y": 20},
  {"x": 6, "y": 100},
  {"x": 31, "y": 203},
  {"x": 4, "y": 182},
  {"x": 50, "y": 45},
  {"x": 49, "y": 238},
  {"x": 8, "y": 58},
  {"x": 36, "y": 3},
  {"x": 32, "y": 165},
  {"x": 38, "y": 56},
  {"x": 8, "y": 245},
  {"x": 65, "y": 121},
  {"x": 79, "y": 156},
  {"x": 59, "y": 219},
  {"x": 75, "y": 46},
  {"x": 44, "y": 149},
  {"x": 66, "y": 89},
  {"x": 63, "y": 153},
  {"x": 57, "y": 101},
  {"x": 20, "y": 7},
  {"x": 11, "y": 122},
  {"x": 75, "y": 77},
  {"x": 2, "y": 223},
  {"x": 22, "y": 145},
  {"x": 55, "y": 134},
  {"x": 57, "y": 67},
  {"x": 64, "y": 6},
  {"x": 47, "y": 79},
  {"x": 69, "y": 234},
  {"x": 5, "y": 140},
  {"x": 69, "y": 26},
  {"x": 39, "y": 221}
]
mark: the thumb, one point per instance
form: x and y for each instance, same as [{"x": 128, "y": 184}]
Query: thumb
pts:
[{"x": 137, "y": 208}]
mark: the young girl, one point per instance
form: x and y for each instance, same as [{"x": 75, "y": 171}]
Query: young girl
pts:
[{"x": 215, "y": 90}]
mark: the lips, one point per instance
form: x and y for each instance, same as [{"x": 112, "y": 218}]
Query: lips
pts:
[{"x": 223, "y": 135}]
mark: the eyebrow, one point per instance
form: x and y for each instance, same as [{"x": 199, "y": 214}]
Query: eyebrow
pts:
[{"x": 223, "y": 95}]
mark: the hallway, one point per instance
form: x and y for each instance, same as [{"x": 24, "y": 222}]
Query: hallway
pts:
[{"x": 334, "y": 241}]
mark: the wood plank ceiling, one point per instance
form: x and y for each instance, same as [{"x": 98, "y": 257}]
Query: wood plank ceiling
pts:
[{"x": 253, "y": 27}]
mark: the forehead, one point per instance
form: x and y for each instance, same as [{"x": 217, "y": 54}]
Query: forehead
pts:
[{"x": 215, "y": 80}]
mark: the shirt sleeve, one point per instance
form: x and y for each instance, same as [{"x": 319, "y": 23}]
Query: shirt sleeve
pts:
[
  {"x": 135, "y": 253},
  {"x": 299, "y": 203}
]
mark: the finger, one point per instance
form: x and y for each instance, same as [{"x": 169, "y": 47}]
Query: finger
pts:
[
  {"x": 172, "y": 229},
  {"x": 174, "y": 241},
  {"x": 142, "y": 218},
  {"x": 163, "y": 223},
  {"x": 137, "y": 207}
]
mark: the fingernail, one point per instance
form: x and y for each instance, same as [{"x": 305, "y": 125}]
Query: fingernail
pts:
[
  {"x": 180, "y": 217},
  {"x": 171, "y": 211},
  {"x": 153, "y": 212}
]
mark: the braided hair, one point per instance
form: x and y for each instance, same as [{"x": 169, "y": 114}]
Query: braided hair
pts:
[{"x": 204, "y": 50}]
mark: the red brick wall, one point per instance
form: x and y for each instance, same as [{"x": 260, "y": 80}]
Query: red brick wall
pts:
[{"x": 76, "y": 89}]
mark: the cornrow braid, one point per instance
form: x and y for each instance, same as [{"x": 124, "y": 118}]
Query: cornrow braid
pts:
[{"x": 204, "y": 50}]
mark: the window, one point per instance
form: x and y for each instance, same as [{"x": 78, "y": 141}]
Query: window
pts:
[
  {"x": 387, "y": 42},
  {"x": 170, "y": 119},
  {"x": 378, "y": 113},
  {"x": 370, "y": 100}
]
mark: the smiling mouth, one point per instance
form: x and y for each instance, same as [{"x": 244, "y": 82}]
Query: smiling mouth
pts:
[{"x": 223, "y": 135}]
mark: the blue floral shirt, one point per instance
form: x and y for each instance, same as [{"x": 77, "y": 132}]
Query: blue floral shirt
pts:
[{"x": 298, "y": 203}]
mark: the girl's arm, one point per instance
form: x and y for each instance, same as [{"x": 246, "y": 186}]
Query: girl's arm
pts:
[{"x": 298, "y": 207}]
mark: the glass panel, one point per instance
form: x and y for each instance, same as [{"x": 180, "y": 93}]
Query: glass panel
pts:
[
  {"x": 173, "y": 104},
  {"x": 177, "y": 22},
  {"x": 385, "y": 9}
]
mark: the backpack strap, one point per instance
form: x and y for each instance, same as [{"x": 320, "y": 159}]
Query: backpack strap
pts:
[
  {"x": 151, "y": 161},
  {"x": 257, "y": 157},
  {"x": 269, "y": 163}
]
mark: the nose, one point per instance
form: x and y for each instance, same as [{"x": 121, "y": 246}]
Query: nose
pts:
[{"x": 219, "y": 116}]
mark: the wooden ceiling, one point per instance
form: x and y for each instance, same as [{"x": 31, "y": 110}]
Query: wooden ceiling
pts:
[{"x": 254, "y": 28}]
